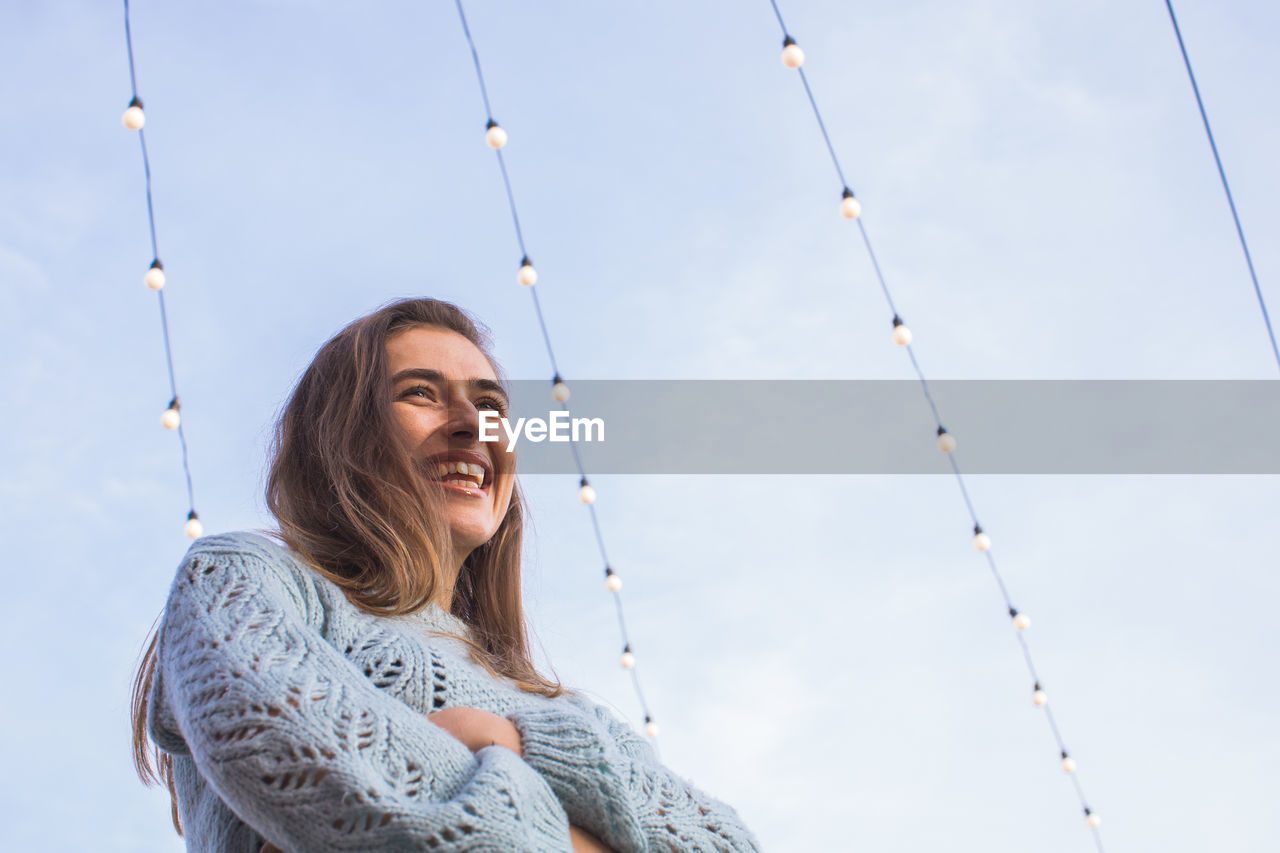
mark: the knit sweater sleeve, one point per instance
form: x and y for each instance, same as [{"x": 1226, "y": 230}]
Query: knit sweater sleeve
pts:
[
  {"x": 302, "y": 746},
  {"x": 611, "y": 784}
]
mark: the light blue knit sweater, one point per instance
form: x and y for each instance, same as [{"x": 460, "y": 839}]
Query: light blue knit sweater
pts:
[{"x": 294, "y": 717}]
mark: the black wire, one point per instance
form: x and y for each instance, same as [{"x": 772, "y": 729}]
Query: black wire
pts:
[
  {"x": 1204, "y": 117},
  {"x": 475, "y": 57},
  {"x": 823, "y": 127},
  {"x": 782, "y": 26},
  {"x": 546, "y": 338},
  {"x": 128, "y": 41},
  {"x": 511, "y": 200}
]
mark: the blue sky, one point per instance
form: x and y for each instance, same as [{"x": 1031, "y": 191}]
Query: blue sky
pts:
[{"x": 827, "y": 654}]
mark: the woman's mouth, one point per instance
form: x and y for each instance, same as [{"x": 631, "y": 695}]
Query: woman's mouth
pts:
[{"x": 465, "y": 478}]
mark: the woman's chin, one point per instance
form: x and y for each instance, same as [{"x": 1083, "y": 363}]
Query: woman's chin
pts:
[{"x": 469, "y": 533}]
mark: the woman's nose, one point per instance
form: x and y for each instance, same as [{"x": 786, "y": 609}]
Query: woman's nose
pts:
[{"x": 464, "y": 419}]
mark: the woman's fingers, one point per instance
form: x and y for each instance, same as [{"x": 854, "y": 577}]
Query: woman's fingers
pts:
[{"x": 478, "y": 729}]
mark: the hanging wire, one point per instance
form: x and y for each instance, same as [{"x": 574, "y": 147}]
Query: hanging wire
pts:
[
  {"x": 192, "y": 524},
  {"x": 981, "y": 541},
  {"x": 650, "y": 726},
  {"x": 1222, "y": 175}
]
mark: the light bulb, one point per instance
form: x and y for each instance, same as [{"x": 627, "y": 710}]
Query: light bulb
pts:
[
  {"x": 527, "y": 276},
  {"x": 560, "y": 391},
  {"x": 1092, "y": 819},
  {"x": 981, "y": 541},
  {"x": 946, "y": 441},
  {"x": 611, "y": 581},
  {"x": 850, "y": 207},
  {"x": 901, "y": 334},
  {"x": 792, "y": 55},
  {"x": 628, "y": 660},
  {"x": 134, "y": 118},
  {"x": 586, "y": 494},
  {"x": 154, "y": 277},
  {"x": 1022, "y": 621},
  {"x": 193, "y": 527},
  {"x": 494, "y": 135},
  {"x": 170, "y": 418},
  {"x": 651, "y": 728},
  {"x": 1039, "y": 697},
  {"x": 1068, "y": 764}
]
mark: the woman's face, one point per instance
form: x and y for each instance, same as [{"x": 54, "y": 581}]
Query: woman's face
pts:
[{"x": 439, "y": 381}]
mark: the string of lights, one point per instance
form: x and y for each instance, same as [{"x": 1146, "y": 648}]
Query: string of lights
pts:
[
  {"x": 527, "y": 276},
  {"x": 851, "y": 208},
  {"x": 134, "y": 119},
  {"x": 1222, "y": 175}
]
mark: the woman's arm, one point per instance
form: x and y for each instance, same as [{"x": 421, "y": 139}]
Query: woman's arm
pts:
[
  {"x": 304, "y": 748},
  {"x": 612, "y": 784},
  {"x": 582, "y": 843},
  {"x": 477, "y": 728}
]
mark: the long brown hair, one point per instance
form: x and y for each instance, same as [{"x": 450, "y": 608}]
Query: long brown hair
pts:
[{"x": 350, "y": 504}]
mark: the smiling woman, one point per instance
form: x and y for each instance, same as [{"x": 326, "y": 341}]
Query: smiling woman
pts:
[
  {"x": 440, "y": 382},
  {"x": 360, "y": 679}
]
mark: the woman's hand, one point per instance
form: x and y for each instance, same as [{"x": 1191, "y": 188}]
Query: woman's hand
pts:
[
  {"x": 584, "y": 842},
  {"x": 478, "y": 729}
]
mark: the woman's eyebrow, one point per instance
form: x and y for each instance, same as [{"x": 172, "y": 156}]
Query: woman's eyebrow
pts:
[{"x": 430, "y": 375}]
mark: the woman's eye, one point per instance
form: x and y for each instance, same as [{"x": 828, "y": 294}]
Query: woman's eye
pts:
[{"x": 425, "y": 390}]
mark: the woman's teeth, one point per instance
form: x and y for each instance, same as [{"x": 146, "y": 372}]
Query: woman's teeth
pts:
[{"x": 465, "y": 473}]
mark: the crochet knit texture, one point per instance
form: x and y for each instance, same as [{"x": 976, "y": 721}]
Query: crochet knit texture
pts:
[{"x": 294, "y": 717}]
